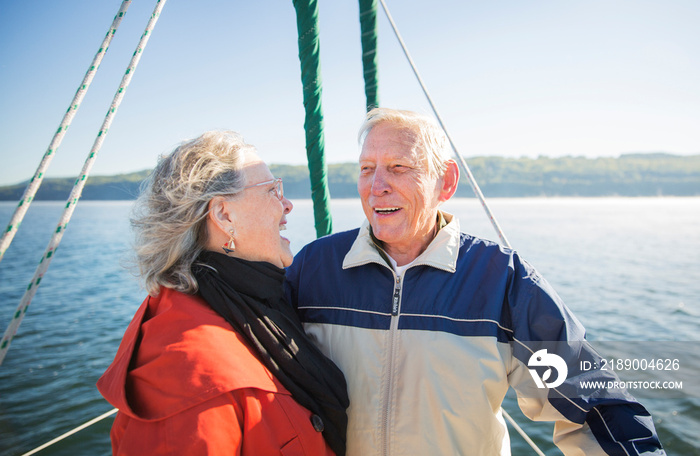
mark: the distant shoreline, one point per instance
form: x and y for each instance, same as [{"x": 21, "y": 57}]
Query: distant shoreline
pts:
[
  {"x": 630, "y": 175},
  {"x": 9, "y": 203}
]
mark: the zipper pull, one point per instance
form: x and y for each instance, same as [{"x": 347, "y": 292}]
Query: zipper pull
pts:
[{"x": 397, "y": 297}]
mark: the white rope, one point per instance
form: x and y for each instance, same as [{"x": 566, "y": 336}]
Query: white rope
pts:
[
  {"x": 77, "y": 188},
  {"x": 69, "y": 433},
  {"x": 522, "y": 433},
  {"x": 33, "y": 186},
  {"x": 472, "y": 182},
  {"x": 470, "y": 177}
]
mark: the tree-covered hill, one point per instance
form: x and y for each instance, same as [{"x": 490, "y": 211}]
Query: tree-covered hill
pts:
[
  {"x": 117, "y": 187},
  {"x": 629, "y": 175}
]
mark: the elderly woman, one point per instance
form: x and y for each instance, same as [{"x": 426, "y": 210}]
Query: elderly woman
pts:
[{"x": 215, "y": 361}]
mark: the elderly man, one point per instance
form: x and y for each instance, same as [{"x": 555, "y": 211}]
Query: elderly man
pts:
[{"x": 431, "y": 326}]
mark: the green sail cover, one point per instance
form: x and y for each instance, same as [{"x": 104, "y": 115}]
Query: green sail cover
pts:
[
  {"x": 307, "y": 27},
  {"x": 368, "y": 27}
]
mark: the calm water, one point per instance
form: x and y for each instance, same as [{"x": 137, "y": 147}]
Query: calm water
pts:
[{"x": 628, "y": 268}]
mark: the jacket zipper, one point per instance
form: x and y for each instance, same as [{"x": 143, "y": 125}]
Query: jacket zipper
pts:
[
  {"x": 397, "y": 298},
  {"x": 393, "y": 333}
]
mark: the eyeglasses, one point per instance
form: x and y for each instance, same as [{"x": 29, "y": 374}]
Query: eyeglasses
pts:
[{"x": 279, "y": 191}]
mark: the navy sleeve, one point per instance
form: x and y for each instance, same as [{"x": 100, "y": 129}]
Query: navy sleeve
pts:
[{"x": 542, "y": 325}]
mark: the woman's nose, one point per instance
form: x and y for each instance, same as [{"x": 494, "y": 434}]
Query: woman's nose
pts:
[{"x": 288, "y": 206}]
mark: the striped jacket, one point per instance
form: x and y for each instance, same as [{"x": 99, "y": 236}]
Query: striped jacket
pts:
[{"x": 429, "y": 356}]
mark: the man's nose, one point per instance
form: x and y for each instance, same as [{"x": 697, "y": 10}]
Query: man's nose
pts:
[{"x": 380, "y": 182}]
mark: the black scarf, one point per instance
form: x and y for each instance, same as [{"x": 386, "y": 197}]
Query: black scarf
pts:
[{"x": 250, "y": 296}]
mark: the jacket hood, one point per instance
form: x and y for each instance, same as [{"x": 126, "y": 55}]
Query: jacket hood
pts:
[{"x": 177, "y": 353}]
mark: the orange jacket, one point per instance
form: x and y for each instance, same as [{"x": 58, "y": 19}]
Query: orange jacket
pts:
[{"x": 185, "y": 383}]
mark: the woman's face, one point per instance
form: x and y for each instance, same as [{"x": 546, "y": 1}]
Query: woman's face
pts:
[{"x": 259, "y": 215}]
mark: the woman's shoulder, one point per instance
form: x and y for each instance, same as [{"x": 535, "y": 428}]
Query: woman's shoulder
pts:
[
  {"x": 188, "y": 354},
  {"x": 180, "y": 312}
]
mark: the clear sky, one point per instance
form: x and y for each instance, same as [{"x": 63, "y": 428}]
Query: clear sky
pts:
[{"x": 511, "y": 78}]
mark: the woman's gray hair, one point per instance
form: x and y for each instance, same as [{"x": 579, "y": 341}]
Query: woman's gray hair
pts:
[
  {"x": 169, "y": 218},
  {"x": 430, "y": 135}
]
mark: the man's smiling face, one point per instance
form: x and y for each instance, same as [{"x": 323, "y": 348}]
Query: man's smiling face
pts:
[{"x": 400, "y": 197}]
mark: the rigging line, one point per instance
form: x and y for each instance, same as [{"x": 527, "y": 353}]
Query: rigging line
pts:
[
  {"x": 368, "y": 29},
  {"x": 470, "y": 176},
  {"x": 472, "y": 182},
  {"x": 78, "y": 187},
  {"x": 71, "y": 432},
  {"x": 522, "y": 433},
  {"x": 35, "y": 182},
  {"x": 310, "y": 63}
]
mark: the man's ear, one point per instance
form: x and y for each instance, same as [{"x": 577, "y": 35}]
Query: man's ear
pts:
[
  {"x": 220, "y": 214},
  {"x": 449, "y": 181}
]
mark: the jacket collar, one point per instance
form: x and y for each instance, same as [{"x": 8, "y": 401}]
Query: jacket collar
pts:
[{"x": 441, "y": 253}]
